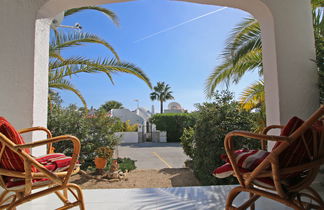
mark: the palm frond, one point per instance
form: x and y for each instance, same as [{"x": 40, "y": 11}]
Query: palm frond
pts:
[
  {"x": 243, "y": 52},
  {"x": 246, "y": 36},
  {"x": 228, "y": 72},
  {"x": 253, "y": 96},
  {"x": 56, "y": 55},
  {"x": 67, "y": 40},
  {"x": 110, "y": 14},
  {"x": 317, "y": 3},
  {"x": 73, "y": 66},
  {"x": 63, "y": 84}
]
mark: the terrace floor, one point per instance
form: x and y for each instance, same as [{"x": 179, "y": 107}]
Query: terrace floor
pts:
[
  {"x": 202, "y": 198},
  {"x": 186, "y": 198}
]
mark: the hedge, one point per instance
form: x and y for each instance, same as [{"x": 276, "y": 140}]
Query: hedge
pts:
[{"x": 173, "y": 124}]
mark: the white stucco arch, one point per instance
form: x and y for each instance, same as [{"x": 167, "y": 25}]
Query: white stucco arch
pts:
[{"x": 288, "y": 48}]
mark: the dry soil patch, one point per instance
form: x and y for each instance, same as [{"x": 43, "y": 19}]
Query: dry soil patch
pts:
[{"x": 150, "y": 178}]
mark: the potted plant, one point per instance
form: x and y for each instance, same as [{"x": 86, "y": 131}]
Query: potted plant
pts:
[{"x": 103, "y": 154}]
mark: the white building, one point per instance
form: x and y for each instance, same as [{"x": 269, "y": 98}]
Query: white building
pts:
[
  {"x": 174, "y": 107},
  {"x": 125, "y": 115}
]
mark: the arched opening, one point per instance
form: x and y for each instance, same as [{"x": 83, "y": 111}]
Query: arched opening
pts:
[
  {"x": 275, "y": 74},
  {"x": 278, "y": 102}
]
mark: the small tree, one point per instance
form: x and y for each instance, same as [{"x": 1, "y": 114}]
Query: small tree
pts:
[
  {"x": 162, "y": 93},
  {"x": 109, "y": 105},
  {"x": 214, "y": 121}
]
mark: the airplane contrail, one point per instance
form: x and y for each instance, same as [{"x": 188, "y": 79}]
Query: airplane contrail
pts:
[{"x": 178, "y": 25}]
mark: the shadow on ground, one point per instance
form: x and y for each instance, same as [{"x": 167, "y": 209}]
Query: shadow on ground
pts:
[{"x": 180, "y": 177}]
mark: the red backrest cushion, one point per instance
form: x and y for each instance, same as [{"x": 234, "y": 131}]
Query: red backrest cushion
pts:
[
  {"x": 10, "y": 160},
  {"x": 296, "y": 152},
  {"x": 289, "y": 128}
]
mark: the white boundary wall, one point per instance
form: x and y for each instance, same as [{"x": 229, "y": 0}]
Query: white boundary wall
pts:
[{"x": 128, "y": 137}]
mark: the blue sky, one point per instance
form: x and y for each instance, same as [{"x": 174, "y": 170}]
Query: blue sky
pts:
[{"x": 182, "y": 57}]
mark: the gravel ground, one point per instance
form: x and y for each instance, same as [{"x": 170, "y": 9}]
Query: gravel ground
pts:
[{"x": 151, "y": 178}]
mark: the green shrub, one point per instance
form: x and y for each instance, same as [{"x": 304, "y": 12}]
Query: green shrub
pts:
[
  {"x": 214, "y": 121},
  {"x": 319, "y": 44},
  {"x": 173, "y": 124},
  {"x": 126, "y": 164},
  {"x": 127, "y": 127},
  {"x": 93, "y": 132},
  {"x": 187, "y": 141}
]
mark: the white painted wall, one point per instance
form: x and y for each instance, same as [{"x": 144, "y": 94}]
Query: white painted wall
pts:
[
  {"x": 128, "y": 137},
  {"x": 24, "y": 76},
  {"x": 126, "y": 115},
  {"x": 163, "y": 136}
]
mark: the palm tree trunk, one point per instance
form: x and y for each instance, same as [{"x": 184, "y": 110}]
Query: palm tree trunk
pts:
[{"x": 161, "y": 106}]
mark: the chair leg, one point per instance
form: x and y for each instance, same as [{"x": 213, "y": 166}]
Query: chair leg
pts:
[
  {"x": 249, "y": 203},
  {"x": 79, "y": 195},
  {"x": 2, "y": 196},
  {"x": 231, "y": 197},
  {"x": 308, "y": 199},
  {"x": 62, "y": 197},
  {"x": 256, "y": 194},
  {"x": 67, "y": 204},
  {"x": 65, "y": 193},
  {"x": 252, "y": 207},
  {"x": 318, "y": 198},
  {"x": 9, "y": 199}
]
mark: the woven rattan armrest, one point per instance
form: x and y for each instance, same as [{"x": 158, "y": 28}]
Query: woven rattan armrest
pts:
[
  {"x": 39, "y": 128},
  {"x": 75, "y": 156}
]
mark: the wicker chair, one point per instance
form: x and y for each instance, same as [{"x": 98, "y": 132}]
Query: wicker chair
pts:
[
  {"x": 35, "y": 175},
  {"x": 296, "y": 194}
]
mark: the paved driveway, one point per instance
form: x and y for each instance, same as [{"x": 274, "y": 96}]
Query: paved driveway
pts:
[{"x": 154, "y": 155}]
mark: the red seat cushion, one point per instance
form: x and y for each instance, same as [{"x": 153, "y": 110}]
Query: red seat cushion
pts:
[
  {"x": 227, "y": 170},
  {"x": 54, "y": 162},
  {"x": 247, "y": 160},
  {"x": 10, "y": 160}
]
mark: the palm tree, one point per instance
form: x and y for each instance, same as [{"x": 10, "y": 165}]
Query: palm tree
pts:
[
  {"x": 62, "y": 69},
  {"x": 109, "y": 105},
  {"x": 243, "y": 53},
  {"x": 162, "y": 93}
]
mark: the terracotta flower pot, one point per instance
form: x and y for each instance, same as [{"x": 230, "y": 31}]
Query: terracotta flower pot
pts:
[{"x": 100, "y": 162}]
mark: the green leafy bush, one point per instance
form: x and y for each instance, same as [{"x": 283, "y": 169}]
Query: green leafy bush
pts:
[
  {"x": 126, "y": 164},
  {"x": 319, "y": 43},
  {"x": 173, "y": 124},
  {"x": 127, "y": 127},
  {"x": 187, "y": 141},
  {"x": 214, "y": 121},
  {"x": 93, "y": 132}
]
